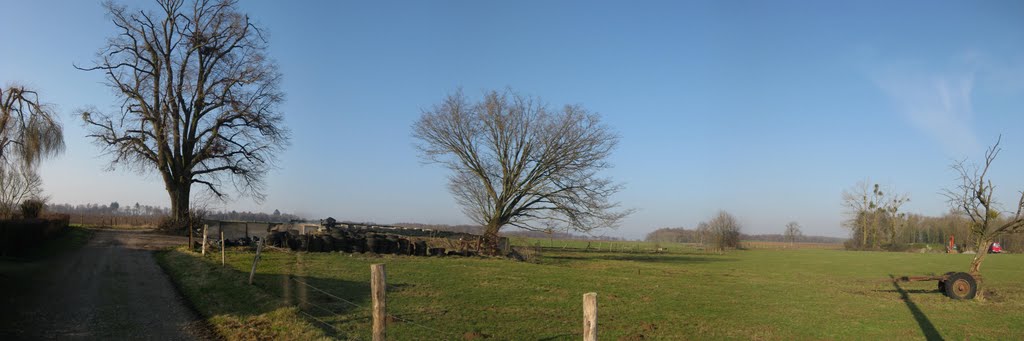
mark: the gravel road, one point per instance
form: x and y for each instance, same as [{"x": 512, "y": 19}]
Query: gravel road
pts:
[{"x": 111, "y": 289}]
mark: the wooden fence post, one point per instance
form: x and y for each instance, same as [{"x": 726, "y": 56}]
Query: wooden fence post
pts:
[
  {"x": 223, "y": 258},
  {"x": 378, "y": 284},
  {"x": 204, "y": 239},
  {"x": 189, "y": 228},
  {"x": 252, "y": 273},
  {"x": 590, "y": 316}
]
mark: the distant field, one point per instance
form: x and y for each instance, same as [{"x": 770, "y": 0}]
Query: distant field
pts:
[{"x": 778, "y": 294}]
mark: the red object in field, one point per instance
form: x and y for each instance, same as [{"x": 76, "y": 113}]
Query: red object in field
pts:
[
  {"x": 951, "y": 247},
  {"x": 995, "y": 248}
]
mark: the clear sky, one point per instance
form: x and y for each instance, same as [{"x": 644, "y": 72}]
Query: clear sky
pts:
[{"x": 766, "y": 109}]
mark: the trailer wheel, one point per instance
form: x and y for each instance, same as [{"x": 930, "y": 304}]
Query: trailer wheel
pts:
[
  {"x": 942, "y": 282},
  {"x": 961, "y": 286}
]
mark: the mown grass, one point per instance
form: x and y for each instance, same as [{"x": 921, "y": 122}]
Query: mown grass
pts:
[{"x": 681, "y": 294}]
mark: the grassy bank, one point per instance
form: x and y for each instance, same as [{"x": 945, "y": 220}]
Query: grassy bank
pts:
[
  {"x": 236, "y": 310},
  {"x": 681, "y": 294}
]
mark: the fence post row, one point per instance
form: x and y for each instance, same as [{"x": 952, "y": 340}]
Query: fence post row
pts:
[
  {"x": 590, "y": 316},
  {"x": 223, "y": 259},
  {"x": 378, "y": 284}
]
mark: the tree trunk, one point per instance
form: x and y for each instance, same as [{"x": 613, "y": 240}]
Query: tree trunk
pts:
[
  {"x": 490, "y": 241},
  {"x": 976, "y": 266},
  {"x": 179, "y": 201},
  {"x": 864, "y": 236}
]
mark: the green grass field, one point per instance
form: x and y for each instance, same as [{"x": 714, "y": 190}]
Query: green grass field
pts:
[{"x": 682, "y": 294}]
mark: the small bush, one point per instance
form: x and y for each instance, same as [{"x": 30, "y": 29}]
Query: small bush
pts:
[{"x": 32, "y": 208}]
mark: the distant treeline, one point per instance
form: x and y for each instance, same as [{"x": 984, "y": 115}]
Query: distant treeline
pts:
[
  {"x": 137, "y": 214},
  {"x": 683, "y": 235},
  {"x": 870, "y": 231}
]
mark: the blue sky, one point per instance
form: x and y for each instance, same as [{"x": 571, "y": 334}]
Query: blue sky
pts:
[{"x": 766, "y": 109}]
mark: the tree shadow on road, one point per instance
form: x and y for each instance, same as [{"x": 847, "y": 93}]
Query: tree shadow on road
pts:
[{"x": 930, "y": 333}]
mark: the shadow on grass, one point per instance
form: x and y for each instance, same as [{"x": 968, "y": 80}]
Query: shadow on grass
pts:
[
  {"x": 214, "y": 290},
  {"x": 926, "y": 325}
]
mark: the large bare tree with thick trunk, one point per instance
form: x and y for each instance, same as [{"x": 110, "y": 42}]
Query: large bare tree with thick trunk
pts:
[
  {"x": 973, "y": 197},
  {"x": 199, "y": 98},
  {"x": 517, "y": 162}
]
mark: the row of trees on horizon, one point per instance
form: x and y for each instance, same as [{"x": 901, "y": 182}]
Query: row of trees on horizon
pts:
[{"x": 148, "y": 211}]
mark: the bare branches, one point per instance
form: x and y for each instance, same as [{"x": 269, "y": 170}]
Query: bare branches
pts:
[
  {"x": 517, "y": 162},
  {"x": 874, "y": 216},
  {"x": 199, "y": 97},
  {"x": 793, "y": 232},
  {"x": 29, "y": 130},
  {"x": 973, "y": 196}
]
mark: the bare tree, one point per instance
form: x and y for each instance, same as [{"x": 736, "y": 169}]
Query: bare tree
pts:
[
  {"x": 721, "y": 232},
  {"x": 29, "y": 129},
  {"x": 793, "y": 232},
  {"x": 516, "y": 162},
  {"x": 874, "y": 214},
  {"x": 973, "y": 197},
  {"x": 29, "y": 132},
  {"x": 18, "y": 183},
  {"x": 199, "y": 99}
]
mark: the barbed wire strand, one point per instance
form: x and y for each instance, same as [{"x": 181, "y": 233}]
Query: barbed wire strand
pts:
[
  {"x": 359, "y": 306},
  {"x": 327, "y": 293},
  {"x": 321, "y": 321}
]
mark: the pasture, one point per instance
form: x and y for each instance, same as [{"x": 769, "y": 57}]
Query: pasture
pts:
[{"x": 680, "y": 293}]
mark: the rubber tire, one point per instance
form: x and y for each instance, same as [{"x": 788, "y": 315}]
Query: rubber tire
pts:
[
  {"x": 961, "y": 286},
  {"x": 942, "y": 283}
]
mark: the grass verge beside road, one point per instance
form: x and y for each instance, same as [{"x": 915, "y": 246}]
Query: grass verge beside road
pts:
[{"x": 235, "y": 309}]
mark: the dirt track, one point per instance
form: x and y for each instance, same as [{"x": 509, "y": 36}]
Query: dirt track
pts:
[{"x": 111, "y": 288}]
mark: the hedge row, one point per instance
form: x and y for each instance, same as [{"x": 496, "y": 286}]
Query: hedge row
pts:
[{"x": 18, "y": 236}]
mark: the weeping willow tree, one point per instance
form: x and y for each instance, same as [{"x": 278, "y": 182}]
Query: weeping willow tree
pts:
[{"x": 29, "y": 133}]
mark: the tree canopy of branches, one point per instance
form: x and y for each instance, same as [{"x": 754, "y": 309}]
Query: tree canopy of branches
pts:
[
  {"x": 29, "y": 132},
  {"x": 793, "y": 233},
  {"x": 721, "y": 232},
  {"x": 874, "y": 216},
  {"x": 29, "y": 129},
  {"x": 973, "y": 197},
  {"x": 517, "y": 162},
  {"x": 199, "y": 98}
]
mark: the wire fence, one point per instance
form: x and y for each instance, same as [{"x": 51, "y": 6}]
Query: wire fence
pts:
[{"x": 359, "y": 307}]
